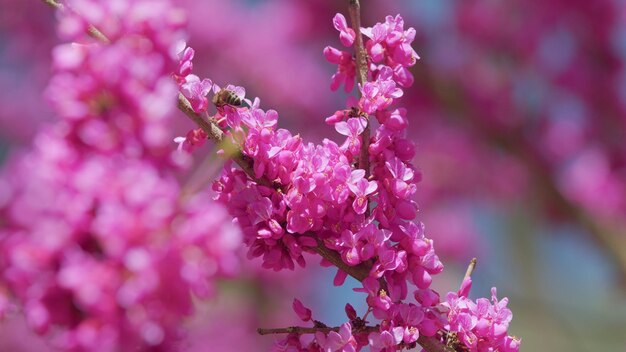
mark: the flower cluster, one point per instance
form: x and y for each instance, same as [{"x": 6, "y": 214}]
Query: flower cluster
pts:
[
  {"x": 104, "y": 263},
  {"x": 98, "y": 245},
  {"x": 480, "y": 325},
  {"x": 300, "y": 196},
  {"x": 119, "y": 96},
  {"x": 390, "y": 46},
  {"x": 124, "y": 260},
  {"x": 346, "y": 67}
]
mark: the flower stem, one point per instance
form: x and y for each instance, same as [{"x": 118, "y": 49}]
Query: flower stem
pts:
[
  {"x": 91, "y": 30},
  {"x": 354, "y": 11},
  {"x": 216, "y": 134},
  {"x": 359, "y": 272},
  {"x": 470, "y": 268},
  {"x": 311, "y": 330}
]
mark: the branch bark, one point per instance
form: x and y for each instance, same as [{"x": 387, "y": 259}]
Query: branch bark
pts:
[
  {"x": 354, "y": 11},
  {"x": 312, "y": 330},
  {"x": 359, "y": 272},
  {"x": 430, "y": 344},
  {"x": 216, "y": 134},
  {"x": 91, "y": 30}
]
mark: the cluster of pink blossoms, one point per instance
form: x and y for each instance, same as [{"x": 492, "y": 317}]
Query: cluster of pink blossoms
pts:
[
  {"x": 98, "y": 246},
  {"x": 480, "y": 325},
  {"x": 318, "y": 195}
]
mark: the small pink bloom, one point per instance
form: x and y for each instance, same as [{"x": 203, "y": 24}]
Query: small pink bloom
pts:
[
  {"x": 379, "y": 94},
  {"x": 196, "y": 90},
  {"x": 303, "y": 312},
  {"x": 346, "y": 34},
  {"x": 351, "y": 129},
  {"x": 194, "y": 140},
  {"x": 386, "y": 341},
  {"x": 185, "y": 63},
  {"x": 361, "y": 188},
  {"x": 350, "y": 311},
  {"x": 341, "y": 341},
  {"x": 346, "y": 69}
]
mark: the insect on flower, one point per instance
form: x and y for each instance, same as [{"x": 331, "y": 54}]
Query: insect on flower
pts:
[{"x": 226, "y": 97}]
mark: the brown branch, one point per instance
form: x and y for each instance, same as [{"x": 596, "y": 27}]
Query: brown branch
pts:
[
  {"x": 215, "y": 134},
  {"x": 312, "y": 330},
  {"x": 354, "y": 11},
  {"x": 361, "y": 55},
  {"x": 430, "y": 344},
  {"x": 359, "y": 272},
  {"x": 53, "y": 3},
  {"x": 91, "y": 30},
  {"x": 470, "y": 268}
]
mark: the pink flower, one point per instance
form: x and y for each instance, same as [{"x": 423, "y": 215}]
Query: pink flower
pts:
[
  {"x": 390, "y": 44},
  {"x": 351, "y": 129},
  {"x": 350, "y": 247},
  {"x": 346, "y": 34},
  {"x": 346, "y": 68},
  {"x": 377, "y": 298},
  {"x": 411, "y": 317},
  {"x": 361, "y": 188},
  {"x": 386, "y": 341},
  {"x": 196, "y": 90},
  {"x": 303, "y": 312},
  {"x": 194, "y": 139},
  {"x": 185, "y": 62},
  {"x": 380, "y": 94},
  {"x": 389, "y": 260},
  {"x": 341, "y": 341},
  {"x": 480, "y": 325}
]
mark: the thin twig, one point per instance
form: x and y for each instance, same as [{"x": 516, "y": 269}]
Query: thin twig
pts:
[
  {"x": 430, "y": 344},
  {"x": 312, "y": 330},
  {"x": 53, "y": 3},
  {"x": 215, "y": 134},
  {"x": 359, "y": 272},
  {"x": 433, "y": 344},
  {"x": 470, "y": 268},
  {"x": 354, "y": 11},
  {"x": 91, "y": 30}
]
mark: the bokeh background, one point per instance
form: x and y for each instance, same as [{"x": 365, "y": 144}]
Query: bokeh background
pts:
[{"x": 519, "y": 112}]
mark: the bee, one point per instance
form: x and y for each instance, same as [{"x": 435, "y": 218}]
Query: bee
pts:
[
  {"x": 452, "y": 341},
  {"x": 226, "y": 97}
]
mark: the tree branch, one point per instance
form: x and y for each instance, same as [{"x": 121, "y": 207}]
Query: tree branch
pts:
[
  {"x": 216, "y": 134},
  {"x": 91, "y": 30},
  {"x": 354, "y": 11},
  {"x": 359, "y": 272},
  {"x": 430, "y": 344},
  {"x": 312, "y": 330}
]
